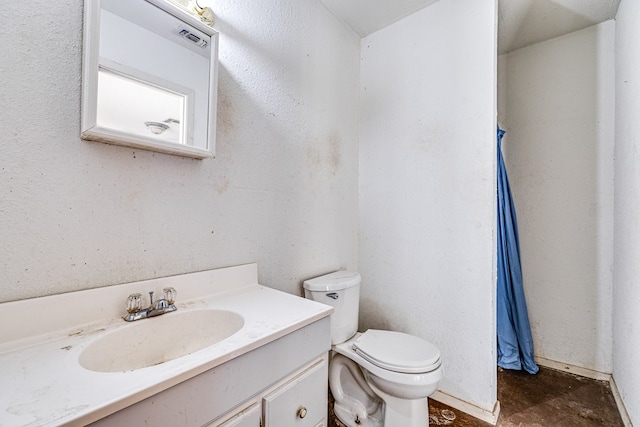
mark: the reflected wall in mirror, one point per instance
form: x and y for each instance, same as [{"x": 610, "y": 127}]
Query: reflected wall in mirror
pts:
[{"x": 149, "y": 77}]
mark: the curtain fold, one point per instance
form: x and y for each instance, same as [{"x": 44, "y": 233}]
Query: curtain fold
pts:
[{"x": 515, "y": 342}]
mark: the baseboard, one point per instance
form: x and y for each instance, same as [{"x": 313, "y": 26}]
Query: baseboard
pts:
[
  {"x": 490, "y": 417},
  {"x": 621, "y": 408},
  {"x": 572, "y": 369}
]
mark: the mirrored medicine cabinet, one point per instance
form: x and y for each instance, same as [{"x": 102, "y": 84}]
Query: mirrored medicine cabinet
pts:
[{"x": 149, "y": 77}]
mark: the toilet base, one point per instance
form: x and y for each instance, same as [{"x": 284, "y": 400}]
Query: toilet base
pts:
[
  {"x": 346, "y": 417},
  {"x": 359, "y": 406},
  {"x": 404, "y": 412}
]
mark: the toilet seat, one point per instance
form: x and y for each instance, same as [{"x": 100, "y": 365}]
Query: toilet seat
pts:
[{"x": 397, "y": 351}]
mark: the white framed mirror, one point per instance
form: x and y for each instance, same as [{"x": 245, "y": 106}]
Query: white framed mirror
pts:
[{"x": 149, "y": 77}]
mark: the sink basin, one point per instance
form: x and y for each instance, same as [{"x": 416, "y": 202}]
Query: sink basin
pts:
[{"x": 149, "y": 342}]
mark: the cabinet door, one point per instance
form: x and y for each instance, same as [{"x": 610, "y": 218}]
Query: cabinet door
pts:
[
  {"x": 247, "y": 417},
  {"x": 302, "y": 402}
]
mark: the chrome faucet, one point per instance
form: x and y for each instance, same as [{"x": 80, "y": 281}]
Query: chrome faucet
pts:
[{"x": 156, "y": 308}]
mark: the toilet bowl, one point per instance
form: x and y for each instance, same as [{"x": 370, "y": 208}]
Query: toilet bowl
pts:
[{"x": 377, "y": 378}]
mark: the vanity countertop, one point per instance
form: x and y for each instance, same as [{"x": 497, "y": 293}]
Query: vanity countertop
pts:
[{"x": 41, "y": 339}]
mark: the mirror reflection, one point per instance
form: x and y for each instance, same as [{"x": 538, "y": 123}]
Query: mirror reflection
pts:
[
  {"x": 149, "y": 77},
  {"x": 137, "y": 107}
]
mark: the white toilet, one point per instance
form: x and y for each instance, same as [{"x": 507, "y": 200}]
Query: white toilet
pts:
[{"x": 377, "y": 378}]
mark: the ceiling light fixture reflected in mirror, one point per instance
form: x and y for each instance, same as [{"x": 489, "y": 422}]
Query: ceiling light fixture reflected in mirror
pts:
[{"x": 156, "y": 127}]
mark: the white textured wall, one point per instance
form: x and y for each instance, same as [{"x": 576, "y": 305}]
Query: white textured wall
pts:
[
  {"x": 282, "y": 190},
  {"x": 558, "y": 111},
  {"x": 427, "y": 187},
  {"x": 626, "y": 290}
]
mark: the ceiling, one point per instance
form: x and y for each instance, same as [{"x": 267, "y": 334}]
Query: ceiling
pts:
[
  {"x": 368, "y": 16},
  {"x": 520, "y": 22}
]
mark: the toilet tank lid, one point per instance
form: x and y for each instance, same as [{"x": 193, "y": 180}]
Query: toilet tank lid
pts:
[{"x": 335, "y": 281}]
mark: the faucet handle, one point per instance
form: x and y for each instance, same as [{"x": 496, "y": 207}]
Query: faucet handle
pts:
[
  {"x": 134, "y": 303},
  {"x": 170, "y": 295}
]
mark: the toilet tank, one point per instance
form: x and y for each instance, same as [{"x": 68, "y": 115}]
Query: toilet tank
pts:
[{"x": 341, "y": 290}]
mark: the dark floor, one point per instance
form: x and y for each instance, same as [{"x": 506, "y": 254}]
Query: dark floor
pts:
[{"x": 548, "y": 399}]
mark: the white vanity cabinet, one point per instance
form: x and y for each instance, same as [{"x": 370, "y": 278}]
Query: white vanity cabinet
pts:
[
  {"x": 298, "y": 401},
  {"x": 101, "y": 371},
  {"x": 280, "y": 384},
  {"x": 301, "y": 402},
  {"x": 250, "y": 416}
]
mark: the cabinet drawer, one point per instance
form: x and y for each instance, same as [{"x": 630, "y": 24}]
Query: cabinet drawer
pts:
[
  {"x": 302, "y": 402},
  {"x": 247, "y": 417}
]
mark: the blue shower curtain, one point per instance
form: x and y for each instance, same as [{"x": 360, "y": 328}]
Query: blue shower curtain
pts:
[{"x": 515, "y": 343}]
